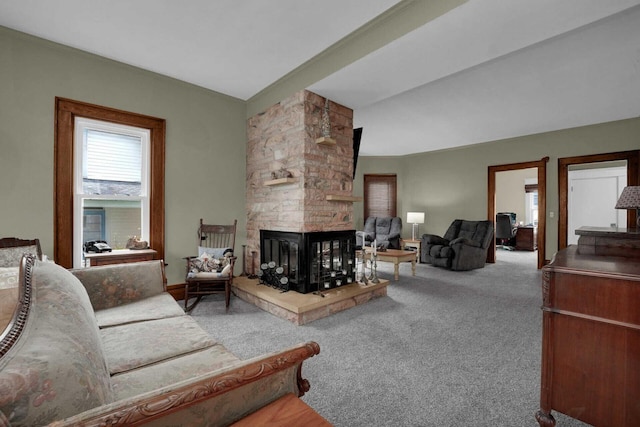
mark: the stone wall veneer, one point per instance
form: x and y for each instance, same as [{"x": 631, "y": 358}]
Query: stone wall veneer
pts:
[{"x": 284, "y": 137}]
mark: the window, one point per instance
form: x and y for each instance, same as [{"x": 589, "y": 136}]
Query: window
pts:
[
  {"x": 380, "y": 195},
  {"x": 86, "y": 196},
  {"x": 531, "y": 203},
  {"x": 111, "y": 197}
]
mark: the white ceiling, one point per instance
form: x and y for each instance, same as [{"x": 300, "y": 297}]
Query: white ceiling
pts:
[{"x": 487, "y": 70}]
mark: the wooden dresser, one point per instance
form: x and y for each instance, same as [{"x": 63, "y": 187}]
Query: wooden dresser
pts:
[{"x": 591, "y": 334}]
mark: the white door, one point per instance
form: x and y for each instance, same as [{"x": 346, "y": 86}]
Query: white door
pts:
[{"x": 593, "y": 194}]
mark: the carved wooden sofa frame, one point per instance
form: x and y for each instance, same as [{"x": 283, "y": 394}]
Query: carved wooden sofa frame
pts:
[{"x": 217, "y": 398}]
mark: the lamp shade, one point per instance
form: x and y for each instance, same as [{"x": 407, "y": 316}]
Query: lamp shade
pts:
[
  {"x": 415, "y": 217},
  {"x": 630, "y": 198}
]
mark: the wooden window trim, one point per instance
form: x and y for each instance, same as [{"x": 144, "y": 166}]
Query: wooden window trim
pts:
[
  {"x": 381, "y": 177},
  {"x": 541, "y": 165},
  {"x": 66, "y": 110}
]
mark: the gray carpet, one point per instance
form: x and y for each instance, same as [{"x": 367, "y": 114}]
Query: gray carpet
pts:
[{"x": 442, "y": 349}]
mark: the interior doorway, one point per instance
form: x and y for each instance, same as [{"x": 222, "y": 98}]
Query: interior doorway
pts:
[
  {"x": 541, "y": 166},
  {"x": 564, "y": 164},
  {"x": 605, "y": 180}
]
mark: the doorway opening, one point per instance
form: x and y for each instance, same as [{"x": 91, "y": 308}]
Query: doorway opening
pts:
[
  {"x": 600, "y": 182},
  {"x": 565, "y": 164},
  {"x": 541, "y": 175}
]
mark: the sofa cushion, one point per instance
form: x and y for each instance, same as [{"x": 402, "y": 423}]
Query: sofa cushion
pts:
[
  {"x": 446, "y": 252},
  {"x": 453, "y": 230},
  {"x": 10, "y": 257},
  {"x": 467, "y": 230},
  {"x": 113, "y": 285},
  {"x": 463, "y": 241},
  {"x": 155, "y": 307},
  {"x": 171, "y": 371},
  {"x": 134, "y": 345},
  {"x": 435, "y": 251},
  {"x": 383, "y": 226},
  {"x": 8, "y": 277},
  {"x": 370, "y": 227},
  {"x": 57, "y": 366},
  {"x": 442, "y": 262}
]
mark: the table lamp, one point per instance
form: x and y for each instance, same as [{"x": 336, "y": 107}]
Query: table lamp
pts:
[
  {"x": 630, "y": 199},
  {"x": 415, "y": 218}
]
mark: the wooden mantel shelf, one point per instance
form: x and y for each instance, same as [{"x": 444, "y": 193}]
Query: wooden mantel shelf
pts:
[
  {"x": 326, "y": 141},
  {"x": 338, "y": 198},
  {"x": 280, "y": 181}
]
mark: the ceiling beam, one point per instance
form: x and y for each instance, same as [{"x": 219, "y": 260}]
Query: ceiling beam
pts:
[{"x": 405, "y": 16}]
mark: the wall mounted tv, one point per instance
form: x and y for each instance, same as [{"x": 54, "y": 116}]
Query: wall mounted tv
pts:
[{"x": 357, "y": 134}]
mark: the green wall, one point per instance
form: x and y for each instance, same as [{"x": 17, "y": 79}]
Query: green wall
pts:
[
  {"x": 205, "y": 140},
  {"x": 206, "y": 146},
  {"x": 453, "y": 183}
]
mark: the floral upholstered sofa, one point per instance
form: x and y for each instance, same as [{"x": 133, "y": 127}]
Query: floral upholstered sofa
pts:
[{"x": 109, "y": 346}]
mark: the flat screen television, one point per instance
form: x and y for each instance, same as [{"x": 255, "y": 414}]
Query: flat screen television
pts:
[{"x": 357, "y": 134}]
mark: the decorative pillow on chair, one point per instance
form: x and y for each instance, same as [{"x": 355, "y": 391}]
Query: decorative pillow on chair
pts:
[
  {"x": 209, "y": 264},
  {"x": 214, "y": 252}
]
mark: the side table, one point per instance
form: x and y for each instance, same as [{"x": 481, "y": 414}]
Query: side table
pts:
[
  {"x": 413, "y": 244},
  {"x": 527, "y": 239}
]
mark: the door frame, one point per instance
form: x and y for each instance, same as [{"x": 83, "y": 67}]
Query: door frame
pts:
[
  {"x": 541, "y": 165},
  {"x": 632, "y": 157}
]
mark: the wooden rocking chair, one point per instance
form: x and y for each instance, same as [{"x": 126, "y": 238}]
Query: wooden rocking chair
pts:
[{"x": 211, "y": 272}]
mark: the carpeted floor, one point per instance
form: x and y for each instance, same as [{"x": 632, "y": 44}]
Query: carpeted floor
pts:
[{"x": 442, "y": 349}]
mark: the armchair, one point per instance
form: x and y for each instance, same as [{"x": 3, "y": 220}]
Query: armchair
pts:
[
  {"x": 385, "y": 231},
  {"x": 463, "y": 247},
  {"x": 211, "y": 271}
]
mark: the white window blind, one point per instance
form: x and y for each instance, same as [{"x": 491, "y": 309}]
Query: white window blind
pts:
[{"x": 112, "y": 157}]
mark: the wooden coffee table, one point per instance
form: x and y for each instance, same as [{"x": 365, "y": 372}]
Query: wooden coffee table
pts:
[{"x": 396, "y": 256}]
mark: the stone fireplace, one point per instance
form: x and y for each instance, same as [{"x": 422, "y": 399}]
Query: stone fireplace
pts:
[{"x": 300, "y": 183}]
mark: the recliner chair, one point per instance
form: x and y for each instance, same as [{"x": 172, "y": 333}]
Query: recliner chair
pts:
[
  {"x": 385, "y": 231},
  {"x": 463, "y": 247}
]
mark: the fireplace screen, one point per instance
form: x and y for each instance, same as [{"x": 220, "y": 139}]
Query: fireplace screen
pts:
[{"x": 313, "y": 261}]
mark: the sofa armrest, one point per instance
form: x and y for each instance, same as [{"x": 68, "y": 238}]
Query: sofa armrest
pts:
[
  {"x": 117, "y": 284},
  {"x": 432, "y": 239},
  {"x": 463, "y": 241},
  {"x": 393, "y": 236},
  {"x": 218, "y": 398}
]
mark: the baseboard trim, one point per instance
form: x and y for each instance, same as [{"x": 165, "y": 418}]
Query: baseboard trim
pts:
[{"x": 176, "y": 291}]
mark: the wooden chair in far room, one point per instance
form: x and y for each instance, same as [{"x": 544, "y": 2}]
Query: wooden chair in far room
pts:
[
  {"x": 505, "y": 232},
  {"x": 211, "y": 272}
]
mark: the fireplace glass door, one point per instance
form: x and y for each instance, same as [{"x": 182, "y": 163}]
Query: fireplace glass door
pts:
[{"x": 314, "y": 261}]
